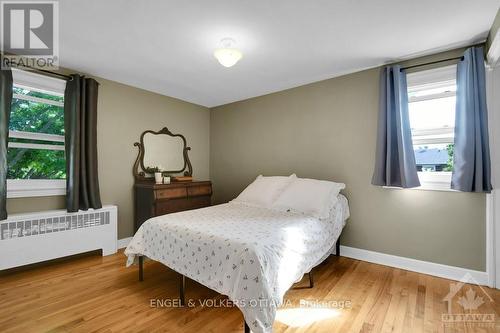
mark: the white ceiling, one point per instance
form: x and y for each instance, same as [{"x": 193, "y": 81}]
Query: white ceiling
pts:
[{"x": 166, "y": 46}]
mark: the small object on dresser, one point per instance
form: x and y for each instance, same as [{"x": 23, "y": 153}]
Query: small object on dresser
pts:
[
  {"x": 166, "y": 180},
  {"x": 158, "y": 178},
  {"x": 158, "y": 175},
  {"x": 182, "y": 179}
]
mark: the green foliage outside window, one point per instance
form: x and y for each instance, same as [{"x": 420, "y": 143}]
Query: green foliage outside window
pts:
[
  {"x": 34, "y": 117},
  {"x": 449, "y": 165}
]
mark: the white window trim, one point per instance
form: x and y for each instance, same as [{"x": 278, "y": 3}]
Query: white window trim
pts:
[
  {"x": 23, "y": 145},
  {"x": 433, "y": 96},
  {"x": 36, "y": 136},
  {"x": 434, "y": 181},
  {"x": 22, "y": 188},
  {"x": 438, "y": 77},
  {"x": 433, "y": 136},
  {"x": 38, "y": 82},
  {"x": 37, "y": 99},
  {"x": 432, "y": 76}
]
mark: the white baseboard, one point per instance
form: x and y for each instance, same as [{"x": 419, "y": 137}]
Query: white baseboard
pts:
[
  {"x": 414, "y": 265},
  {"x": 123, "y": 243},
  {"x": 419, "y": 266}
]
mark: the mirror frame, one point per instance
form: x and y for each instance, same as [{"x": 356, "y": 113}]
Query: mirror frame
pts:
[{"x": 139, "y": 162}]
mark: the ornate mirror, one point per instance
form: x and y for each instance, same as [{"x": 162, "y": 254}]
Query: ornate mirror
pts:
[{"x": 163, "y": 150}]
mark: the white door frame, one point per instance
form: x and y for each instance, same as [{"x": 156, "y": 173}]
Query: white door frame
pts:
[{"x": 493, "y": 199}]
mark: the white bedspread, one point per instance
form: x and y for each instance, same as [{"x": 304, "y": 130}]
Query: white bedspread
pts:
[{"x": 253, "y": 255}]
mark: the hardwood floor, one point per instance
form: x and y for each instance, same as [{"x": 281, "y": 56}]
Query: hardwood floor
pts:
[{"x": 98, "y": 294}]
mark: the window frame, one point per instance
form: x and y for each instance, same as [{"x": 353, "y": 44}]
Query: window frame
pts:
[
  {"x": 435, "y": 181},
  {"x": 22, "y": 188},
  {"x": 424, "y": 80}
]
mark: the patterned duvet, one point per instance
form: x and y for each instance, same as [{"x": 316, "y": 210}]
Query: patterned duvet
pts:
[{"x": 251, "y": 254}]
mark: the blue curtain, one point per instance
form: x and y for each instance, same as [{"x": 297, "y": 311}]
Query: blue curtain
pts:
[
  {"x": 471, "y": 159},
  {"x": 5, "y": 104},
  {"x": 395, "y": 159}
]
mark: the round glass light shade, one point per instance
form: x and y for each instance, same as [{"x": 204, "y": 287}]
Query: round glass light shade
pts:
[{"x": 228, "y": 57}]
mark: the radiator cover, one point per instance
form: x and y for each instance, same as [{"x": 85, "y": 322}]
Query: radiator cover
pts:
[{"x": 35, "y": 237}]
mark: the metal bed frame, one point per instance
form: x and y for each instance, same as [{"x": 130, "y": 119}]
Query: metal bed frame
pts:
[{"x": 182, "y": 281}]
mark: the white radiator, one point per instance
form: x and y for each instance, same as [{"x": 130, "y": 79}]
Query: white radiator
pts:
[{"x": 35, "y": 237}]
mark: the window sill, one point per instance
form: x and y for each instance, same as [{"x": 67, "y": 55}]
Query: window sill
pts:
[
  {"x": 20, "y": 188},
  {"x": 435, "y": 181},
  {"x": 443, "y": 187},
  {"x": 432, "y": 181}
]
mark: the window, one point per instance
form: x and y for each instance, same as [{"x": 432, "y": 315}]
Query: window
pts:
[
  {"x": 35, "y": 156},
  {"x": 431, "y": 97}
]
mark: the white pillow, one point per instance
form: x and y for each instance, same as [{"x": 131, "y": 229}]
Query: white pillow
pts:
[
  {"x": 264, "y": 190},
  {"x": 309, "y": 196}
]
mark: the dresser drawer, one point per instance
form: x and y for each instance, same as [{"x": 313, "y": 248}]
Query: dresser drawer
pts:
[
  {"x": 171, "y": 193},
  {"x": 178, "y": 205},
  {"x": 195, "y": 191},
  {"x": 159, "y": 199}
]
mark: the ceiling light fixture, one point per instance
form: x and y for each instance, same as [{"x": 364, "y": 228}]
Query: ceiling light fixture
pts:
[{"x": 228, "y": 55}]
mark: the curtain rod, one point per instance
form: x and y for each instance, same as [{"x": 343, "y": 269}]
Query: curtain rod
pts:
[
  {"x": 444, "y": 60},
  {"x": 432, "y": 62},
  {"x": 44, "y": 72}
]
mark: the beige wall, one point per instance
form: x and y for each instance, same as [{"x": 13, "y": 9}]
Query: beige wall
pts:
[
  {"x": 124, "y": 113},
  {"x": 327, "y": 130},
  {"x": 323, "y": 130}
]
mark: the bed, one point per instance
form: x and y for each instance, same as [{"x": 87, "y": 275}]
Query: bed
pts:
[{"x": 251, "y": 254}]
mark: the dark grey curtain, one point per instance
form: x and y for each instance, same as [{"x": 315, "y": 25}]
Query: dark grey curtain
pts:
[
  {"x": 395, "y": 158},
  {"x": 5, "y": 103},
  {"x": 471, "y": 159},
  {"x": 80, "y": 123}
]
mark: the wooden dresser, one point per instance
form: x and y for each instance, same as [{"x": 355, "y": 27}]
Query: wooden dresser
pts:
[{"x": 159, "y": 199}]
